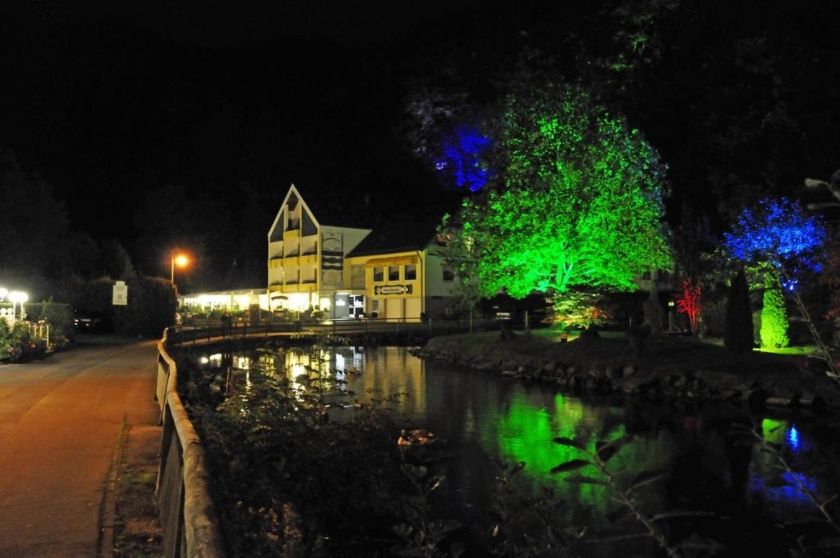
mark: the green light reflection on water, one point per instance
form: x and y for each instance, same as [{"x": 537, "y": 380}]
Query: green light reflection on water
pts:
[{"x": 525, "y": 433}]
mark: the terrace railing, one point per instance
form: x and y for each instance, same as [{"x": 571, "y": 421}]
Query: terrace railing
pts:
[{"x": 187, "y": 515}]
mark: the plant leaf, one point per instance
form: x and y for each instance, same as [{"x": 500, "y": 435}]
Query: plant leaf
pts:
[
  {"x": 569, "y": 442},
  {"x": 775, "y": 482},
  {"x": 645, "y": 478},
  {"x": 606, "y": 450},
  {"x": 583, "y": 479},
  {"x": 682, "y": 513},
  {"x": 571, "y": 465}
]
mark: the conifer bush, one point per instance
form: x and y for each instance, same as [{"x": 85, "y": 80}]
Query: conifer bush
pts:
[
  {"x": 774, "y": 321},
  {"x": 738, "y": 330}
]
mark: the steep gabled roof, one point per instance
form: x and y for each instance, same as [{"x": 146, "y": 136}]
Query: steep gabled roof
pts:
[
  {"x": 400, "y": 233},
  {"x": 338, "y": 208}
]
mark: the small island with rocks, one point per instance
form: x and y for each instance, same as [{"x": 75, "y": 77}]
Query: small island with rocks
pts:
[{"x": 667, "y": 366}]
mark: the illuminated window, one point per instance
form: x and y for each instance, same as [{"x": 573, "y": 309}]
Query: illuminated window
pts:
[
  {"x": 378, "y": 274},
  {"x": 393, "y": 273},
  {"x": 410, "y": 272},
  {"x": 448, "y": 274}
]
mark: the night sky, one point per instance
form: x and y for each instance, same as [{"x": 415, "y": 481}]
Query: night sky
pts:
[
  {"x": 109, "y": 103},
  {"x": 118, "y": 105}
]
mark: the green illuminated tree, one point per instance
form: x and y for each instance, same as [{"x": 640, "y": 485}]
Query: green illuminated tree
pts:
[{"x": 577, "y": 201}]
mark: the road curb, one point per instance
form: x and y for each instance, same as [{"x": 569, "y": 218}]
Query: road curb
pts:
[{"x": 108, "y": 504}]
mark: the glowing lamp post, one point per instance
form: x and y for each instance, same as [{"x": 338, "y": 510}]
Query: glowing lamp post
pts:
[
  {"x": 179, "y": 260},
  {"x": 18, "y": 297}
]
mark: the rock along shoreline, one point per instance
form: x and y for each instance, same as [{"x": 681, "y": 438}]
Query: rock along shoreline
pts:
[{"x": 666, "y": 367}]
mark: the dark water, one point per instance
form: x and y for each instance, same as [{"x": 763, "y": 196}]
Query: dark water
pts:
[{"x": 744, "y": 495}]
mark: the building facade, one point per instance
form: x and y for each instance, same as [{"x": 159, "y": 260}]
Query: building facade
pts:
[
  {"x": 306, "y": 257},
  {"x": 402, "y": 285},
  {"x": 348, "y": 272}
]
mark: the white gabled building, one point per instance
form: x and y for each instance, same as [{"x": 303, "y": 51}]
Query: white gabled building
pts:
[
  {"x": 306, "y": 258},
  {"x": 391, "y": 273}
]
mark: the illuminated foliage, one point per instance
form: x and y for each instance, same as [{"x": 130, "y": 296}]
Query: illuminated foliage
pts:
[
  {"x": 774, "y": 321},
  {"x": 690, "y": 302},
  {"x": 579, "y": 309},
  {"x": 577, "y": 203},
  {"x": 777, "y": 229},
  {"x": 462, "y": 158}
]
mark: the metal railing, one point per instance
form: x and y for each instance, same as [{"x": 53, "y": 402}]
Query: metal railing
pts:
[
  {"x": 187, "y": 515},
  {"x": 209, "y": 330}
]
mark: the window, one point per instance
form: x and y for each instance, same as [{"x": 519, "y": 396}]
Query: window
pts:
[
  {"x": 410, "y": 272},
  {"x": 448, "y": 274},
  {"x": 393, "y": 273},
  {"x": 374, "y": 305},
  {"x": 378, "y": 275}
]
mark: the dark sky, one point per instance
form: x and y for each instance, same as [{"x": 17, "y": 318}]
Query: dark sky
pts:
[{"x": 111, "y": 100}]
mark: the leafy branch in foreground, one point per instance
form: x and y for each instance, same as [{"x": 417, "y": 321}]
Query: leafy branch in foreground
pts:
[
  {"x": 826, "y": 536},
  {"x": 629, "y": 506},
  {"x": 514, "y": 506},
  {"x": 423, "y": 535}
]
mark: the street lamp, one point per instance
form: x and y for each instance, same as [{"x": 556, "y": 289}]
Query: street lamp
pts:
[
  {"x": 18, "y": 297},
  {"x": 180, "y": 260}
]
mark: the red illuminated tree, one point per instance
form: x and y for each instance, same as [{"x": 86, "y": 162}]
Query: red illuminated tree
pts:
[{"x": 689, "y": 302}]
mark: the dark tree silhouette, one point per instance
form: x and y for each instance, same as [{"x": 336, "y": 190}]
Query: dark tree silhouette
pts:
[{"x": 738, "y": 332}]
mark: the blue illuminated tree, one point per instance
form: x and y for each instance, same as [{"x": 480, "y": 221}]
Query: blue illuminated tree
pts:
[
  {"x": 778, "y": 233},
  {"x": 775, "y": 231},
  {"x": 462, "y": 158}
]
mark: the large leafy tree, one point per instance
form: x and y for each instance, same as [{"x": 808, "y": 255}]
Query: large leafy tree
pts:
[{"x": 577, "y": 201}]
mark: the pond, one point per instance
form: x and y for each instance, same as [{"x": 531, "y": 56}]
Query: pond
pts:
[{"x": 709, "y": 490}]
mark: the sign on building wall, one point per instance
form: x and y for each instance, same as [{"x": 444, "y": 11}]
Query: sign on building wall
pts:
[
  {"x": 332, "y": 259},
  {"x": 392, "y": 289},
  {"x": 119, "y": 295}
]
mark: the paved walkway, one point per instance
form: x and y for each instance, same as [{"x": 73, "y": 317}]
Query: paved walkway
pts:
[{"x": 60, "y": 425}]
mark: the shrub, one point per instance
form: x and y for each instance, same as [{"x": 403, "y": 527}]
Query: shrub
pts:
[
  {"x": 151, "y": 307},
  {"x": 738, "y": 333},
  {"x": 774, "y": 321},
  {"x": 58, "y": 315},
  {"x": 151, "y": 304},
  {"x": 17, "y": 344}
]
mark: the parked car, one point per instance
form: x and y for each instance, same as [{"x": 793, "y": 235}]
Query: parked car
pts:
[{"x": 93, "y": 321}]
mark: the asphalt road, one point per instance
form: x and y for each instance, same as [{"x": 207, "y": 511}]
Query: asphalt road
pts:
[{"x": 60, "y": 425}]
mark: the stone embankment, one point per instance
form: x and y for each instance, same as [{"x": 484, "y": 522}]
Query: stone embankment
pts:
[{"x": 669, "y": 368}]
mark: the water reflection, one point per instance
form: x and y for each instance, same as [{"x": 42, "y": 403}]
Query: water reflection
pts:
[
  {"x": 770, "y": 480},
  {"x": 482, "y": 416}
]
